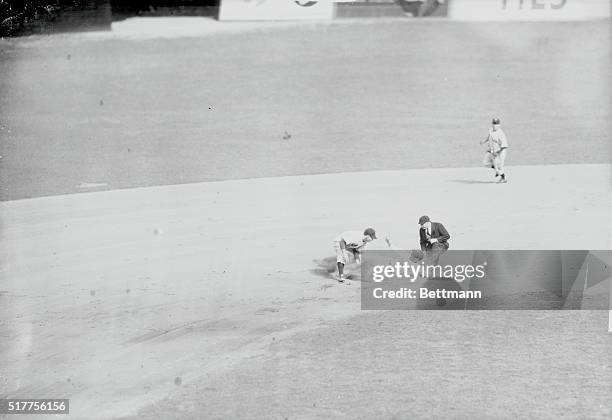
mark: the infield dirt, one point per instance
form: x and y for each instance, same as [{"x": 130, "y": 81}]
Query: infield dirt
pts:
[{"x": 122, "y": 299}]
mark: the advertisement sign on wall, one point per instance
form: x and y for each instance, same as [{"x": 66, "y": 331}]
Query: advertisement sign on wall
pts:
[
  {"x": 537, "y": 10},
  {"x": 276, "y": 10}
]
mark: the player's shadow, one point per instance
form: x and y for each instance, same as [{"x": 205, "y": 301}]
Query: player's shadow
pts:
[
  {"x": 325, "y": 267},
  {"x": 471, "y": 181},
  {"x": 328, "y": 266}
]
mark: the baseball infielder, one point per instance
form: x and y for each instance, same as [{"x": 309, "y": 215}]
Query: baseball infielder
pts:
[
  {"x": 348, "y": 245},
  {"x": 497, "y": 145}
]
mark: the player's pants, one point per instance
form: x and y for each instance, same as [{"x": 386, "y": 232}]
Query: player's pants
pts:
[
  {"x": 343, "y": 256},
  {"x": 500, "y": 161},
  {"x": 495, "y": 161}
]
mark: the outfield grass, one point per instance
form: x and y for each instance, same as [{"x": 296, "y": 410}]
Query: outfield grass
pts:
[
  {"x": 421, "y": 365},
  {"x": 371, "y": 95}
]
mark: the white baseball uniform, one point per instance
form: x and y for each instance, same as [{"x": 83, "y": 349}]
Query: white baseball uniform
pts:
[
  {"x": 346, "y": 241},
  {"x": 496, "y": 155}
]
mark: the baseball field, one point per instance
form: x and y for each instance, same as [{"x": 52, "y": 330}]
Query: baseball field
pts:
[{"x": 169, "y": 205}]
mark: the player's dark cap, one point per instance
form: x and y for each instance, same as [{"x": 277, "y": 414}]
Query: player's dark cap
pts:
[
  {"x": 495, "y": 121},
  {"x": 370, "y": 232},
  {"x": 423, "y": 219}
]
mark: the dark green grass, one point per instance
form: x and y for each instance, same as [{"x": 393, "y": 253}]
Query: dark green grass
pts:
[{"x": 354, "y": 97}]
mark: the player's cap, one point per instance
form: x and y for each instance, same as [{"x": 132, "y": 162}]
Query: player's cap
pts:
[
  {"x": 423, "y": 219},
  {"x": 370, "y": 232},
  {"x": 495, "y": 121}
]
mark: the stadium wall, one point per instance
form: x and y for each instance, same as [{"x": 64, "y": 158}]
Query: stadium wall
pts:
[
  {"x": 467, "y": 10},
  {"x": 529, "y": 10},
  {"x": 328, "y": 9},
  {"x": 391, "y": 8}
]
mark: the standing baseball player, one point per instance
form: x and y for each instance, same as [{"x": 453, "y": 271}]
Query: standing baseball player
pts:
[
  {"x": 349, "y": 245},
  {"x": 497, "y": 146}
]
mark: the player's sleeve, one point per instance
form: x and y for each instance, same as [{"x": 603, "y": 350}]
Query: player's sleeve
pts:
[
  {"x": 490, "y": 142},
  {"x": 502, "y": 140},
  {"x": 444, "y": 235},
  {"x": 486, "y": 139}
]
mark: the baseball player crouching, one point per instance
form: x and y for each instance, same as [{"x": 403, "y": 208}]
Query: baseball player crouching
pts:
[
  {"x": 348, "y": 247},
  {"x": 497, "y": 146}
]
